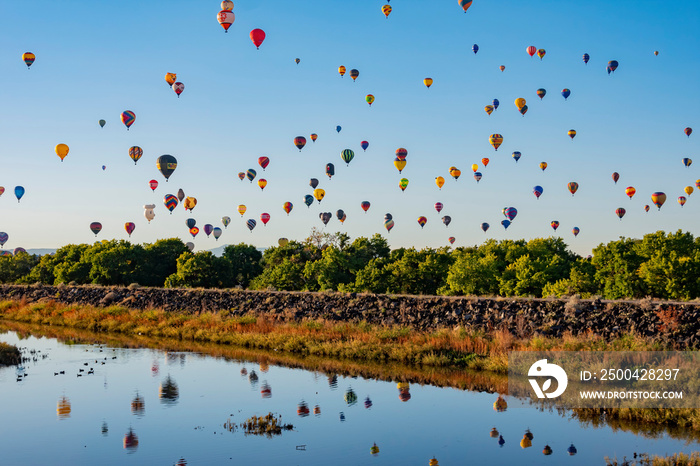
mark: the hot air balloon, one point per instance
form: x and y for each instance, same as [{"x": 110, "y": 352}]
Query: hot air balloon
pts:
[
  {"x": 485, "y": 162},
  {"x": 347, "y": 155},
  {"x": 682, "y": 200},
  {"x": 505, "y": 223},
  {"x": 687, "y": 162},
  {"x": 148, "y": 212},
  {"x": 612, "y": 66},
  {"x": 495, "y": 104},
  {"x": 250, "y": 174},
  {"x": 341, "y": 70},
  {"x": 554, "y": 224},
  {"x": 523, "y": 110},
  {"x": 572, "y": 449},
  {"x": 399, "y": 164},
  {"x": 153, "y": 184},
  {"x": 263, "y": 162},
  {"x": 374, "y": 449},
  {"x": 296, "y": 60},
  {"x": 170, "y": 78},
  {"x": 61, "y": 151},
  {"x": 615, "y": 177},
  {"x": 451, "y": 239},
  {"x": 313, "y": 137},
  {"x": 129, "y": 227},
  {"x": 262, "y": 182},
  {"x": 475, "y": 167},
  {"x": 369, "y": 98},
  {"x": 190, "y": 246},
  {"x": 241, "y": 209},
  {"x": 572, "y": 134},
  {"x": 180, "y": 195},
  {"x": 388, "y": 224},
  {"x": 170, "y": 202},
  {"x": 194, "y": 231},
  {"x": 495, "y": 140},
  {"x": 319, "y": 194},
  {"x": 455, "y": 173},
  {"x": 178, "y": 87},
  {"x": 386, "y": 9},
  {"x": 531, "y": 50},
  {"x": 646, "y": 208},
  {"x": 620, "y": 212},
  {"x": 488, "y": 109},
  {"x": 537, "y": 191},
  {"x": 167, "y": 165},
  {"x": 422, "y": 221},
  {"x": 257, "y": 36},
  {"x": 485, "y": 226},
  {"x": 251, "y": 224},
  {"x": 428, "y": 82},
  {"x": 439, "y": 181},
  {"x": 510, "y": 213},
  {"x": 502, "y": 68},
  {"x": 191, "y": 223},
  {"x": 28, "y": 58},
  {"x": 330, "y": 170},
  {"x": 3, "y": 238},
  {"x": 300, "y": 142},
  {"x": 226, "y": 220},
  {"x": 477, "y": 176},
  {"x": 403, "y": 184},
  {"x": 446, "y": 220},
  {"x": 19, "y": 192},
  {"x": 586, "y": 57},
  {"x": 354, "y": 74},
  {"x": 543, "y": 166},
  {"x": 364, "y": 145},
  {"x": 401, "y": 153},
  {"x": 283, "y": 242},
  {"x": 517, "y": 155},
  {"x": 575, "y": 231},
  {"x": 630, "y": 191},
  {"x": 565, "y": 93},
  {"x": 547, "y": 450},
  {"x": 475, "y": 48},
  {"x": 573, "y": 187},
  {"x": 241, "y": 175},
  {"x": 697, "y": 185},
  {"x": 190, "y": 203},
  {"x": 135, "y": 153},
  {"x": 365, "y": 205},
  {"x": 313, "y": 183},
  {"x": 688, "y": 190},
  {"x": 541, "y": 53},
  {"x": 465, "y": 4},
  {"x": 208, "y": 228},
  {"x": 217, "y": 233},
  {"x": 128, "y": 117},
  {"x": 104, "y": 167},
  {"x": 325, "y": 217},
  {"x": 520, "y": 102},
  {"x": 658, "y": 199},
  {"x": 95, "y": 227},
  {"x": 226, "y": 16},
  {"x": 264, "y": 217},
  {"x": 102, "y": 123},
  {"x": 308, "y": 200},
  {"x": 287, "y": 206},
  {"x": 688, "y": 131},
  {"x": 340, "y": 214}
]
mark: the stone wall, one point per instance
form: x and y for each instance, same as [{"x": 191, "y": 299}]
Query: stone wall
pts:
[{"x": 662, "y": 321}]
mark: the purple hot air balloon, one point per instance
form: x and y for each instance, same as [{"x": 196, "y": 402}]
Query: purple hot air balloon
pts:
[{"x": 208, "y": 228}]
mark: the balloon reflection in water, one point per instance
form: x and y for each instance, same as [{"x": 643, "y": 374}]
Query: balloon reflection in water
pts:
[
  {"x": 333, "y": 381},
  {"x": 138, "y": 405},
  {"x": 500, "y": 404},
  {"x": 374, "y": 450},
  {"x": 168, "y": 391},
  {"x": 368, "y": 403},
  {"x": 264, "y": 366},
  {"x": 244, "y": 371},
  {"x": 105, "y": 428},
  {"x": 303, "y": 409},
  {"x": 350, "y": 397},
  {"x": 317, "y": 410},
  {"x": 253, "y": 378},
  {"x": 131, "y": 441},
  {"x": 494, "y": 433},
  {"x": 266, "y": 390},
  {"x": 404, "y": 394},
  {"x": 63, "y": 409}
]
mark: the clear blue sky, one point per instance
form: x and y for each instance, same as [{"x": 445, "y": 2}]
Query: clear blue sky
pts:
[{"x": 95, "y": 60}]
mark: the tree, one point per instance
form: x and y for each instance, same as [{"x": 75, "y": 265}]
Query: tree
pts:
[
  {"x": 160, "y": 261},
  {"x": 243, "y": 264},
  {"x": 16, "y": 268},
  {"x": 201, "y": 269},
  {"x": 114, "y": 262},
  {"x": 69, "y": 266},
  {"x": 616, "y": 266}
]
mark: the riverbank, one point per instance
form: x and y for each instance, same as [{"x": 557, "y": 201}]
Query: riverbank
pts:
[{"x": 9, "y": 355}]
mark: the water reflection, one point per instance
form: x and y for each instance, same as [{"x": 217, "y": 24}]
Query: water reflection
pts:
[
  {"x": 374, "y": 450},
  {"x": 266, "y": 390},
  {"x": 368, "y": 403},
  {"x": 302, "y": 409},
  {"x": 404, "y": 394},
  {"x": 105, "y": 428},
  {"x": 350, "y": 397},
  {"x": 500, "y": 405},
  {"x": 333, "y": 381},
  {"x": 138, "y": 406},
  {"x": 168, "y": 391},
  {"x": 131, "y": 441},
  {"x": 63, "y": 409}
]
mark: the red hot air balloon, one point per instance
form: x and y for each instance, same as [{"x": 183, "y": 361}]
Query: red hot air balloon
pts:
[
  {"x": 153, "y": 184},
  {"x": 128, "y": 117},
  {"x": 531, "y": 50},
  {"x": 226, "y": 18},
  {"x": 95, "y": 227},
  {"x": 615, "y": 177},
  {"x": 620, "y": 212},
  {"x": 365, "y": 205},
  {"x": 178, "y": 87},
  {"x": 438, "y": 206},
  {"x": 688, "y": 131},
  {"x": 129, "y": 227},
  {"x": 257, "y": 36},
  {"x": 300, "y": 142},
  {"x": 264, "y": 217},
  {"x": 263, "y": 162}
]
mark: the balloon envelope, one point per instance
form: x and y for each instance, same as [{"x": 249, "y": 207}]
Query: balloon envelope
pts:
[
  {"x": 19, "y": 192},
  {"x": 166, "y": 164},
  {"x": 257, "y": 36},
  {"x": 128, "y": 117}
]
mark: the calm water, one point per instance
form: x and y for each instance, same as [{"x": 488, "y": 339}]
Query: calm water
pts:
[{"x": 176, "y": 404}]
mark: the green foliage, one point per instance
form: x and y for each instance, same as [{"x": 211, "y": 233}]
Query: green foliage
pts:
[
  {"x": 201, "y": 269},
  {"x": 616, "y": 266},
  {"x": 243, "y": 264},
  {"x": 160, "y": 261},
  {"x": 114, "y": 262},
  {"x": 13, "y": 268}
]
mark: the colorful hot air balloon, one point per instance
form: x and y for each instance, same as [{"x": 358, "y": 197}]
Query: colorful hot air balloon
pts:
[
  {"x": 475, "y": 48},
  {"x": 226, "y": 17},
  {"x": 190, "y": 203},
  {"x": 128, "y": 117},
  {"x": 386, "y": 9},
  {"x": 241, "y": 175},
  {"x": 341, "y": 70},
  {"x": 531, "y": 50},
  {"x": 19, "y": 192},
  {"x": 688, "y": 131},
  {"x": 388, "y": 224},
  {"x": 194, "y": 231},
  {"x": 502, "y": 68},
  {"x": 484, "y": 226},
  {"x": 687, "y": 162},
  {"x": 543, "y": 166},
  {"x": 264, "y": 217},
  {"x": 510, "y": 213},
  {"x": 465, "y": 4},
  {"x": 541, "y": 53},
  {"x": 319, "y": 194},
  {"x": 523, "y": 110},
  {"x": 354, "y": 74},
  {"x": 129, "y": 227},
  {"x": 547, "y": 450},
  {"x": 251, "y": 224},
  {"x": 135, "y": 153},
  {"x": 257, "y": 36},
  {"x": 630, "y": 191},
  {"x": 646, "y": 208},
  {"x": 485, "y": 162},
  {"x": 153, "y": 184},
  {"x": 495, "y": 140},
  {"x": 517, "y": 154},
  {"x": 28, "y": 58},
  {"x": 313, "y": 137},
  {"x": 250, "y": 174},
  {"x": 369, "y": 98},
  {"x": 575, "y": 231},
  {"x": 682, "y": 200},
  {"x": 446, "y": 220},
  {"x": 241, "y": 209},
  {"x": 439, "y": 181},
  {"x": 104, "y": 167},
  {"x": 422, "y": 221},
  {"x": 95, "y": 227},
  {"x": 537, "y": 191},
  {"x": 170, "y": 202},
  {"x": 364, "y": 145},
  {"x": 403, "y": 184},
  {"x": 178, "y": 87},
  {"x": 586, "y": 57},
  {"x": 658, "y": 198},
  {"x": 347, "y": 155},
  {"x": 62, "y": 151},
  {"x": 287, "y": 206},
  {"x": 365, "y": 205},
  {"x": 300, "y": 142},
  {"x": 428, "y": 82},
  {"x": 554, "y": 224},
  {"x": 455, "y": 173},
  {"x": 495, "y": 104},
  {"x": 170, "y": 78},
  {"x": 488, "y": 109},
  {"x": 477, "y": 176},
  {"x": 620, "y": 212},
  {"x": 615, "y": 177},
  {"x": 262, "y": 182},
  {"x": 520, "y": 102},
  {"x": 3, "y": 238},
  {"x": 308, "y": 200},
  {"x": 697, "y": 185},
  {"x": 438, "y": 207},
  {"x": 341, "y": 215},
  {"x": 541, "y": 93},
  {"x": 399, "y": 164},
  {"x": 573, "y": 187},
  {"x": 263, "y": 162},
  {"x": 330, "y": 170},
  {"x": 401, "y": 153},
  {"x": 166, "y": 164},
  {"x": 612, "y": 66},
  {"x": 565, "y": 93},
  {"x": 226, "y": 221},
  {"x": 217, "y": 233},
  {"x": 572, "y": 134},
  {"x": 296, "y": 60}
]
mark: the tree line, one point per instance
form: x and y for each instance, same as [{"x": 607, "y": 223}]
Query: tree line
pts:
[{"x": 660, "y": 265}]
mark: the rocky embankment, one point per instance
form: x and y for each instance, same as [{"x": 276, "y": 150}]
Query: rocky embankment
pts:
[{"x": 665, "y": 321}]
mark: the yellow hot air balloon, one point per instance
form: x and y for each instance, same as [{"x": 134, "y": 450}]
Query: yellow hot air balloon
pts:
[
  {"x": 475, "y": 167},
  {"x": 190, "y": 203},
  {"x": 688, "y": 190},
  {"x": 341, "y": 70},
  {"x": 525, "y": 442},
  {"x": 170, "y": 78},
  {"x": 319, "y": 194},
  {"x": 543, "y": 166},
  {"x": 433, "y": 462},
  {"x": 262, "y": 182},
  {"x": 241, "y": 209},
  {"x": 439, "y": 181},
  {"x": 455, "y": 173},
  {"x": 62, "y": 151},
  {"x": 428, "y": 82},
  {"x": 572, "y": 134},
  {"x": 488, "y": 109},
  {"x": 520, "y": 102},
  {"x": 283, "y": 242},
  {"x": 399, "y": 164},
  {"x": 495, "y": 140},
  {"x": 386, "y": 9}
]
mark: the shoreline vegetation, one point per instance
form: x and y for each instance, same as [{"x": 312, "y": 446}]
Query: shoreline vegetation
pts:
[{"x": 9, "y": 355}]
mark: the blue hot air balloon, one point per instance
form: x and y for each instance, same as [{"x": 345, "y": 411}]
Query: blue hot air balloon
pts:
[
  {"x": 338, "y": 128},
  {"x": 496, "y": 103},
  {"x": 505, "y": 223},
  {"x": 475, "y": 48},
  {"x": 517, "y": 155},
  {"x": 308, "y": 200},
  {"x": 586, "y": 57},
  {"x": 251, "y": 224},
  {"x": 19, "y": 192},
  {"x": 566, "y": 93},
  {"x": 510, "y": 213},
  {"x": 485, "y": 226},
  {"x": 537, "y": 191},
  {"x": 477, "y": 176}
]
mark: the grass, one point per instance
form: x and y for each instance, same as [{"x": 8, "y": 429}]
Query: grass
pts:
[
  {"x": 9, "y": 355},
  {"x": 679, "y": 459}
]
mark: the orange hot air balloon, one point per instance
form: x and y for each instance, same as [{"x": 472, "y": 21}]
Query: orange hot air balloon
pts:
[
  {"x": 495, "y": 140},
  {"x": 488, "y": 109},
  {"x": 531, "y": 50},
  {"x": 313, "y": 137},
  {"x": 485, "y": 161},
  {"x": 502, "y": 68},
  {"x": 572, "y": 134},
  {"x": 62, "y": 151},
  {"x": 262, "y": 182},
  {"x": 573, "y": 187},
  {"x": 241, "y": 209},
  {"x": 688, "y": 131},
  {"x": 257, "y": 36},
  {"x": 658, "y": 198},
  {"x": 630, "y": 191},
  {"x": 428, "y": 82},
  {"x": 190, "y": 203},
  {"x": 170, "y": 78},
  {"x": 341, "y": 70},
  {"x": 543, "y": 166},
  {"x": 439, "y": 181},
  {"x": 386, "y": 9}
]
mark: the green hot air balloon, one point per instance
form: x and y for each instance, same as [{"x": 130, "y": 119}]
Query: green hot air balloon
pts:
[
  {"x": 347, "y": 155},
  {"x": 166, "y": 164}
]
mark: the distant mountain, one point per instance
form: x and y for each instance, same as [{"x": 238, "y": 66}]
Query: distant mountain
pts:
[
  {"x": 218, "y": 252},
  {"x": 40, "y": 251}
]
